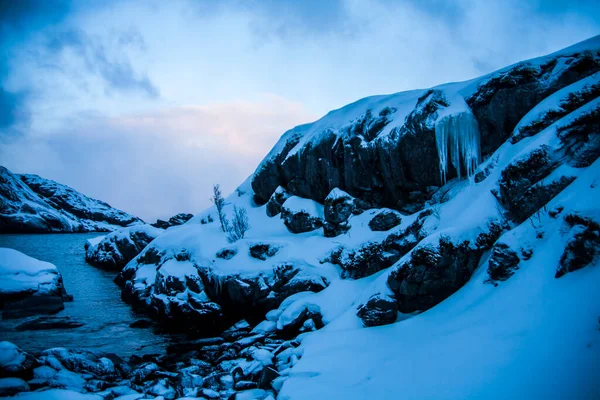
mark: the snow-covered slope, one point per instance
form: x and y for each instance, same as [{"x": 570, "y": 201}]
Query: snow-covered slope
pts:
[
  {"x": 488, "y": 270},
  {"x": 29, "y": 203}
]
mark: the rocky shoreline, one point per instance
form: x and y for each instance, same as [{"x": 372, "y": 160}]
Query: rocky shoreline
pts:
[{"x": 242, "y": 363}]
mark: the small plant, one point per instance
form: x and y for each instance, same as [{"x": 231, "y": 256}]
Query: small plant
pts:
[
  {"x": 219, "y": 202},
  {"x": 239, "y": 224}
]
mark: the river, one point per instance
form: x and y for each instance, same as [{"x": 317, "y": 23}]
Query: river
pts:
[{"x": 97, "y": 303}]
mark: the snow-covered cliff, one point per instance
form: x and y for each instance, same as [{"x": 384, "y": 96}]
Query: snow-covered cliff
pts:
[{"x": 32, "y": 204}]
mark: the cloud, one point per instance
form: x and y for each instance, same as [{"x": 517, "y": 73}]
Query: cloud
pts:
[
  {"x": 112, "y": 67},
  {"x": 159, "y": 164}
]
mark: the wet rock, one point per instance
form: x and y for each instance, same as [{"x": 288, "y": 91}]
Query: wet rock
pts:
[
  {"x": 262, "y": 251},
  {"x": 385, "y": 220},
  {"x": 141, "y": 324},
  {"x": 46, "y": 323},
  {"x": 378, "y": 310},
  {"x": 502, "y": 263},
  {"x": 33, "y": 305}
]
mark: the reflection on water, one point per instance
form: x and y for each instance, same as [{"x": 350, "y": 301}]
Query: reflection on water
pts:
[{"x": 97, "y": 303}]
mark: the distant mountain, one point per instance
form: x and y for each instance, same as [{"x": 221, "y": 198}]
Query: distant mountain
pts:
[{"x": 32, "y": 204}]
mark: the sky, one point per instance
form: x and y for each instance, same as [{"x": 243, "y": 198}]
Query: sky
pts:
[{"x": 147, "y": 104}]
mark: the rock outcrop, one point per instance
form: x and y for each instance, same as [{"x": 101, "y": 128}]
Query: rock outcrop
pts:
[
  {"x": 116, "y": 249},
  {"x": 178, "y": 219}
]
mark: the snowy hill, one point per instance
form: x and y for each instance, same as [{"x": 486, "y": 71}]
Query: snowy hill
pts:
[
  {"x": 464, "y": 217},
  {"x": 31, "y": 204}
]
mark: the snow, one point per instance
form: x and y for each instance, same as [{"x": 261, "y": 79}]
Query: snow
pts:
[
  {"x": 21, "y": 273},
  {"x": 296, "y": 204},
  {"x": 10, "y": 355}
]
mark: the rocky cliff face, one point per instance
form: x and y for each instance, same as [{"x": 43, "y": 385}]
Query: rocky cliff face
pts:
[
  {"x": 32, "y": 204},
  {"x": 383, "y": 150}
]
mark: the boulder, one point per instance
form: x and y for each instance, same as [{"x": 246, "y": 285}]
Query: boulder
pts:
[
  {"x": 584, "y": 246},
  {"x": 385, "y": 220},
  {"x": 14, "y": 362},
  {"x": 378, "y": 310},
  {"x": 262, "y": 251},
  {"x": 226, "y": 253},
  {"x": 279, "y": 196},
  {"x": 29, "y": 286},
  {"x": 302, "y": 215},
  {"x": 432, "y": 273}
]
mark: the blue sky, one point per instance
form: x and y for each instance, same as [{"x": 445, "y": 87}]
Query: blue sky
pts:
[{"x": 146, "y": 104}]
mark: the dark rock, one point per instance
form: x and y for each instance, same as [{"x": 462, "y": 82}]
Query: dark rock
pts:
[
  {"x": 262, "y": 251},
  {"x": 333, "y": 230},
  {"x": 583, "y": 248},
  {"x": 522, "y": 191},
  {"x": 294, "y": 327},
  {"x": 178, "y": 219},
  {"x": 432, "y": 274},
  {"x": 378, "y": 310},
  {"x": 141, "y": 324},
  {"x": 338, "y": 207},
  {"x": 49, "y": 323},
  {"x": 245, "y": 385},
  {"x": 276, "y": 201},
  {"x": 395, "y": 170},
  {"x": 32, "y": 305},
  {"x": 366, "y": 260},
  {"x": 226, "y": 253},
  {"x": 300, "y": 221},
  {"x": 385, "y": 220},
  {"x": 502, "y": 263},
  {"x": 580, "y": 138}
]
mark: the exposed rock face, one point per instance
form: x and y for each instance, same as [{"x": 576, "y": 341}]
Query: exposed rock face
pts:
[
  {"x": 385, "y": 220},
  {"x": 433, "y": 273},
  {"x": 31, "y": 204},
  {"x": 366, "y": 260},
  {"x": 503, "y": 263},
  {"x": 178, "y": 219},
  {"x": 390, "y": 159},
  {"x": 116, "y": 249},
  {"x": 378, "y": 310},
  {"x": 29, "y": 286}
]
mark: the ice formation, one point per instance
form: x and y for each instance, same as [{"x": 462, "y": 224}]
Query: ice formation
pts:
[{"x": 457, "y": 138}]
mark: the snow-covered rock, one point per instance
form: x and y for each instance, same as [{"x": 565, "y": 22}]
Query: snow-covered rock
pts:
[
  {"x": 29, "y": 286},
  {"x": 116, "y": 249},
  {"x": 31, "y": 204}
]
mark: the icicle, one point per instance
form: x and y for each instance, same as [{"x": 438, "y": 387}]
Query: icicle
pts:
[{"x": 457, "y": 139}]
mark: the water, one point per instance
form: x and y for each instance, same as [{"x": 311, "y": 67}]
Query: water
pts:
[{"x": 97, "y": 303}]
